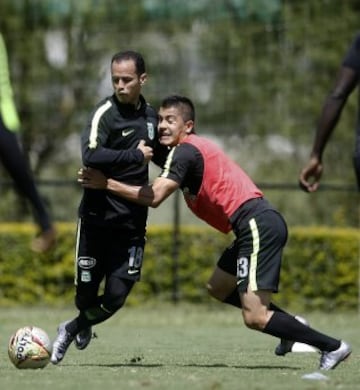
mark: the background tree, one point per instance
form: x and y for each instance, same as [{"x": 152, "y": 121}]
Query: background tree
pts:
[{"x": 258, "y": 71}]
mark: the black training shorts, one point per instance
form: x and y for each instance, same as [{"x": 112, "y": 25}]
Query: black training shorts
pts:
[
  {"x": 255, "y": 255},
  {"x": 107, "y": 252}
]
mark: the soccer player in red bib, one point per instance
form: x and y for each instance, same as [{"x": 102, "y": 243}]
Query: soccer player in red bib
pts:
[{"x": 219, "y": 192}]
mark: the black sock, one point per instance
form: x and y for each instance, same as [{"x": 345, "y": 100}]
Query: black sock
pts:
[
  {"x": 273, "y": 307},
  {"x": 233, "y": 299},
  {"x": 86, "y": 319},
  {"x": 77, "y": 324},
  {"x": 286, "y": 327}
]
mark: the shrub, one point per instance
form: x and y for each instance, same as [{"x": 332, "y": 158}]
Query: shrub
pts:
[{"x": 320, "y": 267}]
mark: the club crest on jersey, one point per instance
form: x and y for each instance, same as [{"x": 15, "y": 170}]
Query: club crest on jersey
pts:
[{"x": 151, "y": 131}]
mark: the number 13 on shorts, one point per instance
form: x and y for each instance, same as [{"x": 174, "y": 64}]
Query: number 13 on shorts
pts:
[{"x": 242, "y": 269}]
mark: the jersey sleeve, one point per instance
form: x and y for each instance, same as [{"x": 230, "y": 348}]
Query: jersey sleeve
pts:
[
  {"x": 179, "y": 162},
  {"x": 160, "y": 154},
  {"x": 352, "y": 57},
  {"x": 101, "y": 156},
  {"x": 94, "y": 138}
]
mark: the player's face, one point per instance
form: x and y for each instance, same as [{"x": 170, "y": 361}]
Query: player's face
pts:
[
  {"x": 126, "y": 83},
  {"x": 172, "y": 127}
]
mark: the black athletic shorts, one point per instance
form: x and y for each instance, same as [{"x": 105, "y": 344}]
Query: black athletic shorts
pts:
[
  {"x": 107, "y": 252},
  {"x": 255, "y": 255}
]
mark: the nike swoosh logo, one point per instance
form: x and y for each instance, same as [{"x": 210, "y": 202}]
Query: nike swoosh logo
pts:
[
  {"x": 125, "y": 133},
  {"x": 239, "y": 282},
  {"x": 133, "y": 271}
]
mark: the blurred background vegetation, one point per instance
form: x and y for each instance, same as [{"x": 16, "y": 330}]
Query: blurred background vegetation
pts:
[{"x": 257, "y": 70}]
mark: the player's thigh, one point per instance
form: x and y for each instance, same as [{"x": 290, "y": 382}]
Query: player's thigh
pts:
[
  {"x": 221, "y": 284},
  {"x": 125, "y": 258},
  {"x": 89, "y": 267}
]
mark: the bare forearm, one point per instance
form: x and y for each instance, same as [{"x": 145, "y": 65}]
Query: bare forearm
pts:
[
  {"x": 147, "y": 195},
  {"x": 143, "y": 195},
  {"x": 346, "y": 82},
  {"x": 327, "y": 122}
]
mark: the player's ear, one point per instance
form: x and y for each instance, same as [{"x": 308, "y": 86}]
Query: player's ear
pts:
[
  {"x": 143, "y": 78},
  {"x": 189, "y": 126}
]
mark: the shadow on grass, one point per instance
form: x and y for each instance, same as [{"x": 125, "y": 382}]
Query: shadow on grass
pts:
[{"x": 247, "y": 367}]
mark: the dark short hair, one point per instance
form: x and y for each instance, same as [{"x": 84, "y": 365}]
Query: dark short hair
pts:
[
  {"x": 184, "y": 104},
  {"x": 131, "y": 55}
]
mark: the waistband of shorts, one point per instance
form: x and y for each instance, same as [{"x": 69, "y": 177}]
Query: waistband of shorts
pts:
[{"x": 249, "y": 209}]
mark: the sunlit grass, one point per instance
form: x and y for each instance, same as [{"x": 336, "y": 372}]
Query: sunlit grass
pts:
[{"x": 177, "y": 347}]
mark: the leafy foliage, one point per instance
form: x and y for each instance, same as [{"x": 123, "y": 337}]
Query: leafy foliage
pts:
[
  {"x": 253, "y": 68},
  {"x": 320, "y": 268}
]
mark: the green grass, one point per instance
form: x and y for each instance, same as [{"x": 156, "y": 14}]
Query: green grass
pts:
[{"x": 177, "y": 348}]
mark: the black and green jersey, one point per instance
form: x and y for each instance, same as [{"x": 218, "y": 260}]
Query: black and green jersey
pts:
[{"x": 109, "y": 143}]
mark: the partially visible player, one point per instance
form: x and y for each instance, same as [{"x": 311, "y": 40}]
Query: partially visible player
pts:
[
  {"x": 219, "y": 192},
  {"x": 347, "y": 80},
  {"x": 14, "y": 161}
]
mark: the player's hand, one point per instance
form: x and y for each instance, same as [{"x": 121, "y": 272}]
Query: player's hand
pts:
[
  {"x": 92, "y": 178},
  {"x": 310, "y": 176},
  {"x": 146, "y": 150}
]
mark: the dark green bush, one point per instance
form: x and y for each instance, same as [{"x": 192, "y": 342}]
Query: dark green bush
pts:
[{"x": 320, "y": 267}]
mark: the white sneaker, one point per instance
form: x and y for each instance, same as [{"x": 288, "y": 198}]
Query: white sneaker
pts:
[
  {"x": 61, "y": 344},
  {"x": 83, "y": 338},
  {"x": 329, "y": 360},
  {"x": 285, "y": 346}
]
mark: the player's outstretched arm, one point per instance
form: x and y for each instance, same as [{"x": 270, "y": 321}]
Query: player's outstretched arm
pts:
[{"x": 151, "y": 195}]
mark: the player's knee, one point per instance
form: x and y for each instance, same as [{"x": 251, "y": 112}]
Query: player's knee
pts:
[
  {"x": 113, "y": 303},
  {"x": 116, "y": 293},
  {"x": 254, "y": 320}
]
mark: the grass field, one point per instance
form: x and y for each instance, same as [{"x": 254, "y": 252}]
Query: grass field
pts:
[{"x": 177, "y": 347}]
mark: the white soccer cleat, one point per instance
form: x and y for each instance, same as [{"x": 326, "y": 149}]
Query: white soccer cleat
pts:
[
  {"x": 285, "y": 346},
  {"x": 329, "y": 360},
  {"x": 61, "y": 344}
]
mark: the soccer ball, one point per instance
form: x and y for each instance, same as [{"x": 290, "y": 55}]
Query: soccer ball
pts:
[{"x": 29, "y": 347}]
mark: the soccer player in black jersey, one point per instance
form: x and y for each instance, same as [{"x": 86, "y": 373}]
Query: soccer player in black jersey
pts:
[
  {"x": 347, "y": 79},
  {"x": 119, "y": 139},
  {"x": 219, "y": 192}
]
